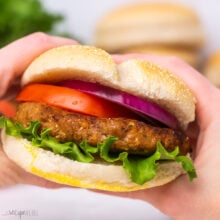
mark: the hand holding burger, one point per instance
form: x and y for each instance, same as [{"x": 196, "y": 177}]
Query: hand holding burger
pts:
[{"x": 180, "y": 199}]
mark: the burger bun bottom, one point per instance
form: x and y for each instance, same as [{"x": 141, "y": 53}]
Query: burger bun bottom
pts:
[{"x": 62, "y": 170}]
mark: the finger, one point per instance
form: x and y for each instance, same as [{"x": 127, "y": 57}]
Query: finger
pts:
[
  {"x": 15, "y": 57},
  {"x": 202, "y": 89}
]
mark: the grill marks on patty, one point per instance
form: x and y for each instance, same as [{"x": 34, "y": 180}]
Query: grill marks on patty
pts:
[{"x": 133, "y": 136}]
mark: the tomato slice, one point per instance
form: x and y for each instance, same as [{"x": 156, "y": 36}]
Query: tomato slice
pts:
[
  {"x": 7, "y": 108},
  {"x": 73, "y": 100}
]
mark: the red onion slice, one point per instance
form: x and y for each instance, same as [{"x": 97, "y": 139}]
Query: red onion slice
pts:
[{"x": 137, "y": 104}]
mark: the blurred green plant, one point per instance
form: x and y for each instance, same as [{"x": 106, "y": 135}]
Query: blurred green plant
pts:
[{"x": 21, "y": 17}]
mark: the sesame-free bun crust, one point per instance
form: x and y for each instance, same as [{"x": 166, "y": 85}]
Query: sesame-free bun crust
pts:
[
  {"x": 149, "y": 24},
  {"x": 134, "y": 76},
  {"x": 59, "y": 169}
]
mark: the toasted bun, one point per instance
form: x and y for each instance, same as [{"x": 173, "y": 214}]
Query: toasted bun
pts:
[
  {"x": 212, "y": 69},
  {"x": 188, "y": 55},
  {"x": 93, "y": 176},
  {"x": 135, "y": 76},
  {"x": 147, "y": 24}
]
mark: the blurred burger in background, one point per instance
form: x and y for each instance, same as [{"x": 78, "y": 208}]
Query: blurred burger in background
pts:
[
  {"x": 156, "y": 28},
  {"x": 212, "y": 68}
]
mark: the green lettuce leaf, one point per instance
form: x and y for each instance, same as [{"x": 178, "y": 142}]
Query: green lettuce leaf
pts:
[{"x": 140, "y": 168}]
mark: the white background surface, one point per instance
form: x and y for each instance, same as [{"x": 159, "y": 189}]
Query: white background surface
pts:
[
  {"x": 71, "y": 204},
  {"x": 79, "y": 204}
]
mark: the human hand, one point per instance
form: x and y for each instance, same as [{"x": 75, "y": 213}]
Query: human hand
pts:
[
  {"x": 14, "y": 59},
  {"x": 182, "y": 199}
]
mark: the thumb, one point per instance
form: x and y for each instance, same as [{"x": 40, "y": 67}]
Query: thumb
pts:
[{"x": 16, "y": 56}]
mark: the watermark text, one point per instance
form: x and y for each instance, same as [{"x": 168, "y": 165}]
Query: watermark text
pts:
[{"x": 21, "y": 213}]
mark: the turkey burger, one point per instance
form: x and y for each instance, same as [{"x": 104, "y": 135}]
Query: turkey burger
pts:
[{"x": 85, "y": 121}]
